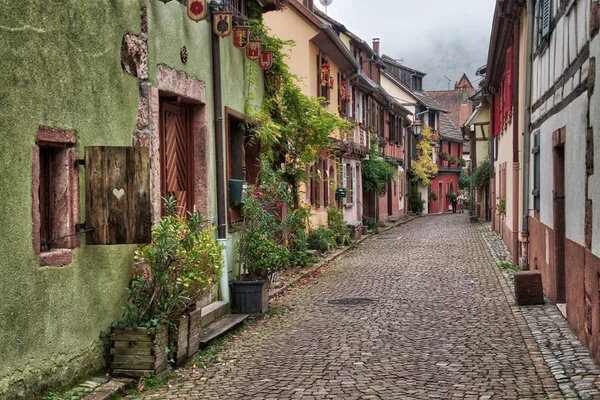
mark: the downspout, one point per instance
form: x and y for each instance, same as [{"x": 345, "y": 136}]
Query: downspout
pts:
[
  {"x": 515, "y": 174},
  {"x": 221, "y": 186},
  {"x": 527, "y": 137}
]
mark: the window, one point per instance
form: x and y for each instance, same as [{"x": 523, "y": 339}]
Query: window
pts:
[
  {"x": 432, "y": 120},
  {"x": 324, "y": 77},
  {"x": 243, "y": 162},
  {"x": 536, "y": 171},
  {"x": 544, "y": 20},
  {"x": 350, "y": 181},
  {"x": 55, "y": 195},
  {"x": 326, "y": 177},
  {"x": 239, "y": 8}
]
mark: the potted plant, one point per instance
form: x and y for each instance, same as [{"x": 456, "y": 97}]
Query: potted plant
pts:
[
  {"x": 262, "y": 248},
  {"x": 453, "y": 160},
  {"x": 176, "y": 269},
  {"x": 433, "y": 196}
]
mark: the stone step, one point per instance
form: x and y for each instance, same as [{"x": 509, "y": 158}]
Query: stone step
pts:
[
  {"x": 213, "y": 312},
  {"x": 221, "y": 327}
]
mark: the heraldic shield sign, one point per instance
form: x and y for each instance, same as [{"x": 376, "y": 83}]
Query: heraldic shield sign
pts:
[
  {"x": 222, "y": 23},
  {"x": 196, "y": 9},
  {"x": 241, "y": 36},
  {"x": 253, "y": 50},
  {"x": 266, "y": 59}
]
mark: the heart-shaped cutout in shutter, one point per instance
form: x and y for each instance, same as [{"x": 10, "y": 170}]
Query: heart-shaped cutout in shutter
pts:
[{"x": 119, "y": 193}]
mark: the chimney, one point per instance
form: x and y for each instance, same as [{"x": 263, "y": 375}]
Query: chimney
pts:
[{"x": 376, "y": 42}]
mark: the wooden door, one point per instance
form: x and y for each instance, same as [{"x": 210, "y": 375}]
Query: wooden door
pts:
[
  {"x": 558, "y": 211},
  {"x": 177, "y": 154},
  {"x": 390, "y": 198}
]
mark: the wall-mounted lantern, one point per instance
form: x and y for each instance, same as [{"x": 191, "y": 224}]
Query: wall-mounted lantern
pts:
[
  {"x": 417, "y": 127},
  {"x": 222, "y": 23},
  {"x": 241, "y": 36},
  {"x": 196, "y": 9}
]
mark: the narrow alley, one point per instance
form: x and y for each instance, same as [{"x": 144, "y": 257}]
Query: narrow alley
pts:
[{"x": 399, "y": 317}]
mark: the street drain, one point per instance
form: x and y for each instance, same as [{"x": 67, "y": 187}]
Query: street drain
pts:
[
  {"x": 389, "y": 238},
  {"x": 351, "y": 301}
]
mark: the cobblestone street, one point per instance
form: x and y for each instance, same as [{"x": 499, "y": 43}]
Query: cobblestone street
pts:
[{"x": 431, "y": 318}]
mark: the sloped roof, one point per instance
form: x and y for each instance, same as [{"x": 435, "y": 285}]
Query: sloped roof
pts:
[
  {"x": 448, "y": 130},
  {"x": 390, "y": 60},
  {"x": 457, "y": 102},
  {"x": 429, "y": 101}
]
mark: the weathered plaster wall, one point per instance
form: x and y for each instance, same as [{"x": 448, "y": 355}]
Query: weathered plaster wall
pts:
[
  {"x": 505, "y": 155},
  {"x": 566, "y": 41},
  {"x": 574, "y": 119},
  {"x": 594, "y": 181},
  {"x": 61, "y": 67},
  {"x": 287, "y": 25},
  {"x": 242, "y": 79}
]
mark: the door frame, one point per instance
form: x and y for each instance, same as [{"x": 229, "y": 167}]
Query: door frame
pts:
[{"x": 559, "y": 213}]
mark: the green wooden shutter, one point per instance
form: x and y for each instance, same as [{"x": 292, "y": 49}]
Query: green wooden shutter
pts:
[
  {"x": 117, "y": 190},
  {"x": 536, "y": 171},
  {"x": 545, "y": 17}
]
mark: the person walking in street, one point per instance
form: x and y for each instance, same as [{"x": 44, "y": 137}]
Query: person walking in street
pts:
[{"x": 453, "y": 200}]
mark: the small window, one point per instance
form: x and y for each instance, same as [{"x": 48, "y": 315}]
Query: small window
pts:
[
  {"x": 325, "y": 79},
  {"x": 55, "y": 195},
  {"x": 536, "y": 171},
  {"x": 324, "y": 174}
]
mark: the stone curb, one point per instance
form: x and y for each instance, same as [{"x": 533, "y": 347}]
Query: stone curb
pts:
[
  {"x": 336, "y": 255},
  {"x": 107, "y": 390},
  {"x": 543, "y": 371}
]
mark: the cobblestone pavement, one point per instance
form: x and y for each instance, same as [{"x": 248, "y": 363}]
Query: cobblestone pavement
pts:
[
  {"x": 434, "y": 322},
  {"x": 570, "y": 362}
]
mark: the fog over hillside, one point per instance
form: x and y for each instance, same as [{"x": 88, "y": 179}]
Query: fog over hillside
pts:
[
  {"x": 438, "y": 37},
  {"x": 453, "y": 58}
]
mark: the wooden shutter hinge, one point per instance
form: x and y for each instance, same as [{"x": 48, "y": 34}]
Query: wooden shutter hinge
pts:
[{"x": 78, "y": 163}]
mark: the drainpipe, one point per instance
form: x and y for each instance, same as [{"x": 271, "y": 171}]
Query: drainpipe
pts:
[
  {"x": 221, "y": 186},
  {"x": 515, "y": 181},
  {"x": 527, "y": 133}
]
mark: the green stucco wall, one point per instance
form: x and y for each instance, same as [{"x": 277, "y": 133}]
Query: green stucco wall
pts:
[
  {"x": 169, "y": 28},
  {"x": 61, "y": 67}
]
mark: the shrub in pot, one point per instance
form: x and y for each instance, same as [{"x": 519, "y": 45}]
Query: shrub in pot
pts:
[
  {"x": 177, "y": 268},
  {"x": 262, "y": 248}
]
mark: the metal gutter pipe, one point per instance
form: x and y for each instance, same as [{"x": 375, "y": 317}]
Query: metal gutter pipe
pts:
[
  {"x": 527, "y": 124},
  {"x": 221, "y": 185}
]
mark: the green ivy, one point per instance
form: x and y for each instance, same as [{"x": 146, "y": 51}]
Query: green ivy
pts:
[{"x": 424, "y": 168}]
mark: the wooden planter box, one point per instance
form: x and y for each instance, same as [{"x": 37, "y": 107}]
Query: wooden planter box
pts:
[
  {"x": 138, "y": 351},
  {"x": 195, "y": 326},
  {"x": 178, "y": 341}
]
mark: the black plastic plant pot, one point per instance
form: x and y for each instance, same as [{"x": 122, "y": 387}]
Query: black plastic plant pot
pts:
[{"x": 249, "y": 297}]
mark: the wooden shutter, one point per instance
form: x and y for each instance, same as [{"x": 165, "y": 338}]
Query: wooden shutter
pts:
[
  {"x": 117, "y": 190},
  {"x": 508, "y": 82},
  {"x": 546, "y": 16}
]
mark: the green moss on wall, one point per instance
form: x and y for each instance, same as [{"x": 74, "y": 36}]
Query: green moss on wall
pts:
[{"x": 60, "y": 67}]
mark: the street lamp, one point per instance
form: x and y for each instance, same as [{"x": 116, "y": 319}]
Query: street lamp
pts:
[{"x": 417, "y": 127}]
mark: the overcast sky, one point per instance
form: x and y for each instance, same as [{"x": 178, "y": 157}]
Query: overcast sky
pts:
[{"x": 438, "y": 37}]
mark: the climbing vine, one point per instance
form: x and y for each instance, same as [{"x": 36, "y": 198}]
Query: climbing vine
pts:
[
  {"x": 424, "y": 168},
  {"x": 376, "y": 171},
  {"x": 293, "y": 128}
]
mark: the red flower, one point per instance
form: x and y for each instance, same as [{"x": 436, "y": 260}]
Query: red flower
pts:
[
  {"x": 278, "y": 204},
  {"x": 271, "y": 187},
  {"x": 197, "y": 8}
]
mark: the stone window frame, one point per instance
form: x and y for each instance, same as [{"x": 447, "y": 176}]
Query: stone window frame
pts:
[
  {"x": 65, "y": 195},
  {"x": 191, "y": 91}
]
